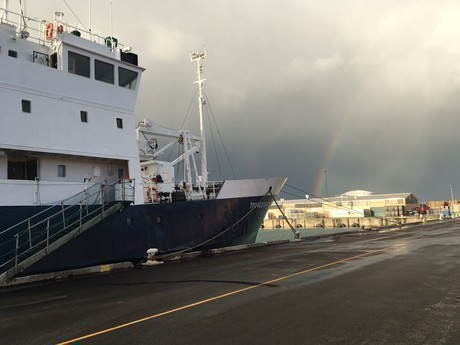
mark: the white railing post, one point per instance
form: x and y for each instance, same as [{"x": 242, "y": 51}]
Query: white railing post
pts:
[
  {"x": 16, "y": 252},
  {"x": 133, "y": 188},
  {"x": 123, "y": 196},
  {"x": 81, "y": 213},
  {"x": 63, "y": 215},
  {"x": 30, "y": 233},
  {"x": 102, "y": 199},
  {"x": 47, "y": 234}
]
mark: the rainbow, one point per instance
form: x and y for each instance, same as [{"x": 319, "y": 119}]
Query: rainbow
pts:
[{"x": 318, "y": 188}]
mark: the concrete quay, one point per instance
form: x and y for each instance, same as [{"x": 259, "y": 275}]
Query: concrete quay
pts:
[{"x": 395, "y": 286}]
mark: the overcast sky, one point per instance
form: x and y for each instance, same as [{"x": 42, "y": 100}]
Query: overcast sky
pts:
[{"x": 368, "y": 90}]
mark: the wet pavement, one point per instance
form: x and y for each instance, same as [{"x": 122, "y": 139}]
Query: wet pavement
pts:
[{"x": 392, "y": 287}]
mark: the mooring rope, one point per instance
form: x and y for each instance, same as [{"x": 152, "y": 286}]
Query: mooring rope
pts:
[
  {"x": 296, "y": 233},
  {"x": 216, "y": 236}
]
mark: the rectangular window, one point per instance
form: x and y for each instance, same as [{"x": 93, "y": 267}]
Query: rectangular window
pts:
[
  {"x": 23, "y": 170},
  {"x": 83, "y": 116},
  {"x": 61, "y": 170},
  {"x": 119, "y": 123},
  {"x": 16, "y": 170},
  {"x": 127, "y": 78},
  {"x": 104, "y": 71},
  {"x": 78, "y": 64},
  {"x": 13, "y": 53},
  {"x": 120, "y": 173},
  {"x": 26, "y": 106}
]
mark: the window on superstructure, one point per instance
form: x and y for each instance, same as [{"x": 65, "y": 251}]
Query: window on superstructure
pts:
[
  {"x": 61, "y": 170},
  {"x": 13, "y": 53},
  {"x": 22, "y": 169},
  {"x": 119, "y": 123},
  {"x": 78, "y": 64},
  {"x": 104, "y": 71},
  {"x": 26, "y": 106},
  {"x": 83, "y": 116},
  {"x": 127, "y": 78}
]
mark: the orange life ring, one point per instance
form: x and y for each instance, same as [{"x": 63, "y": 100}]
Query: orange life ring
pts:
[
  {"x": 60, "y": 29},
  {"x": 49, "y": 31},
  {"x": 149, "y": 194}
]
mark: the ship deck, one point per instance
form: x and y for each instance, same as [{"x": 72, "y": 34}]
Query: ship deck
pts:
[{"x": 387, "y": 287}]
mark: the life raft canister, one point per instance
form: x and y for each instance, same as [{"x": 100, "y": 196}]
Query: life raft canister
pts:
[{"x": 49, "y": 31}]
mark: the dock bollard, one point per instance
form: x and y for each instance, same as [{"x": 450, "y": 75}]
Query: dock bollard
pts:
[
  {"x": 297, "y": 236},
  {"x": 151, "y": 257}
]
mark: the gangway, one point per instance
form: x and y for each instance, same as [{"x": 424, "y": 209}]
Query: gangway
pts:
[{"x": 32, "y": 239}]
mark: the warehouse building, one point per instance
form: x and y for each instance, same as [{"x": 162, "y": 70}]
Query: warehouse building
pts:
[{"x": 353, "y": 204}]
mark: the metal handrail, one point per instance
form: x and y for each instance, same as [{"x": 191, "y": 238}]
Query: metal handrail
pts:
[
  {"x": 53, "y": 205},
  {"x": 37, "y": 29},
  {"x": 45, "y": 232}
]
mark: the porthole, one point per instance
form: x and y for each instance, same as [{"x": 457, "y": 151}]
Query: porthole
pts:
[
  {"x": 129, "y": 221},
  {"x": 159, "y": 219},
  {"x": 200, "y": 216}
]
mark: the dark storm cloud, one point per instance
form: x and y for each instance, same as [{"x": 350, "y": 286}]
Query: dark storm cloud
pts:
[{"x": 365, "y": 89}]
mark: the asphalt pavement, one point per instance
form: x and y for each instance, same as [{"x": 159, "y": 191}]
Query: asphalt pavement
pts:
[{"x": 399, "y": 286}]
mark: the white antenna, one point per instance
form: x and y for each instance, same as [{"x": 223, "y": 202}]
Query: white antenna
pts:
[
  {"x": 197, "y": 57},
  {"x": 111, "y": 24},
  {"x": 89, "y": 7}
]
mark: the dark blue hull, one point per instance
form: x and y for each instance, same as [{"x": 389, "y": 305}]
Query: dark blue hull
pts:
[{"x": 169, "y": 227}]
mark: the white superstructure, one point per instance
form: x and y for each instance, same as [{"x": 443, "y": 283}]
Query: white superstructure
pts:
[{"x": 72, "y": 123}]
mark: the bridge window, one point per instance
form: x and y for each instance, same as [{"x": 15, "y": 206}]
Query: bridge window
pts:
[
  {"x": 78, "y": 64},
  {"x": 104, "y": 71},
  {"x": 127, "y": 78}
]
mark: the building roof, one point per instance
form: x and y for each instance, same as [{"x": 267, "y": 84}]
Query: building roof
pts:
[{"x": 347, "y": 197}]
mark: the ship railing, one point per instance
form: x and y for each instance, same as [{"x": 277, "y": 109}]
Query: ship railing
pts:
[
  {"x": 213, "y": 189},
  {"x": 198, "y": 193},
  {"x": 35, "y": 29},
  {"x": 39, "y": 232}
]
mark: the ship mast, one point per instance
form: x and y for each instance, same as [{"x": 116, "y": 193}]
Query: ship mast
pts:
[{"x": 197, "y": 57}]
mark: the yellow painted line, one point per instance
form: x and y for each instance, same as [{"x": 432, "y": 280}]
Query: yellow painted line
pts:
[{"x": 188, "y": 306}]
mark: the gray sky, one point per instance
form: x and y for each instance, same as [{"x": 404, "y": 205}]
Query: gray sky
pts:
[{"x": 366, "y": 89}]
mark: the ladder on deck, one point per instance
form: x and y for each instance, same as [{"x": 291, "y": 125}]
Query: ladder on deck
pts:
[{"x": 32, "y": 239}]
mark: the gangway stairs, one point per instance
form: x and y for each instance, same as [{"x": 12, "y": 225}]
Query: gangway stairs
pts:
[{"x": 32, "y": 239}]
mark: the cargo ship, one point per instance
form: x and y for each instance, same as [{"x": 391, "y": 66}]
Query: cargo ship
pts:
[{"x": 82, "y": 183}]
